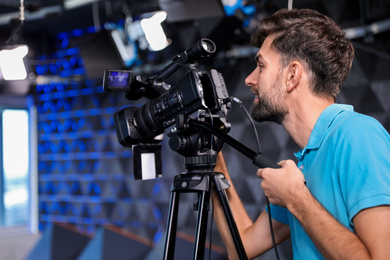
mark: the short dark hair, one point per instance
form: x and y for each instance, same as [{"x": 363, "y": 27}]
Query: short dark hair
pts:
[{"x": 314, "y": 38}]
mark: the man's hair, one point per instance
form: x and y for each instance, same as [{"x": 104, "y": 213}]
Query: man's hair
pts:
[{"x": 313, "y": 38}]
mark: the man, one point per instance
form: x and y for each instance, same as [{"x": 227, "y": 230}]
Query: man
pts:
[{"x": 335, "y": 202}]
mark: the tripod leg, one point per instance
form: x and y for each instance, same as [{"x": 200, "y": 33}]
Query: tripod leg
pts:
[
  {"x": 201, "y": 225},
  {"x": 170, "y": 238},
  {"x": 220, "y": 187}
]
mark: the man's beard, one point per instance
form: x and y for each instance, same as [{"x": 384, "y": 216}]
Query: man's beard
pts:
[{"x": 270, "y": 108}]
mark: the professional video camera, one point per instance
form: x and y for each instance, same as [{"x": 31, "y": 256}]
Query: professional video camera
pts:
[{"x": 178, "y": 91}]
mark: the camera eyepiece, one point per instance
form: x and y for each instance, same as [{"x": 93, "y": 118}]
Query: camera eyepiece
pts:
[
  {"x": 208, "y": 45},
  {"x": 203, "y": 48}
]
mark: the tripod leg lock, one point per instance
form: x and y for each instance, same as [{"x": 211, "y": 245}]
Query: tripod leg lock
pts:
[{"x": 220, "y": 182}]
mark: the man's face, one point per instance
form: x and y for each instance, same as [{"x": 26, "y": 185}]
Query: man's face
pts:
[{"x": 267, "y": 86}]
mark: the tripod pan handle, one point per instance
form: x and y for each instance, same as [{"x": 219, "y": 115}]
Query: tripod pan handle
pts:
[{"x": 263, "y": 161}]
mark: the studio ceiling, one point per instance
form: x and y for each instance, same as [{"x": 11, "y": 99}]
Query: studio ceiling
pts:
[
  {"x": 46, "y": 18},
  {"x": 53, "y": 16}
]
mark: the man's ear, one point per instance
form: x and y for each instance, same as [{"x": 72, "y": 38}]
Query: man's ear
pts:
[{"x": 293, "y": 75}]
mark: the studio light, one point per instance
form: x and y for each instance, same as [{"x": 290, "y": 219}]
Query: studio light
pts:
[
  {"x": 12, "y": 54},
  {"x": 12, "y": 62},
  {"x": 154, "y": 32}
]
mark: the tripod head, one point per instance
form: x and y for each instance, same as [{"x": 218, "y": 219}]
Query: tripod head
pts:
[{"x": 198, "y": 146}]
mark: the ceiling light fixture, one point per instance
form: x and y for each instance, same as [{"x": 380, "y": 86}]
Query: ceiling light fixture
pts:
[
  {"x": 12, "y": 55},
  {"x": 154, "y": 33},
  {"x": 11, "y": 63}
]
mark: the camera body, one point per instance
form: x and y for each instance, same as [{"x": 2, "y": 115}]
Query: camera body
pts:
[
  {"x": 180, "y": 89},
  {"x": 196, "y": 90}
]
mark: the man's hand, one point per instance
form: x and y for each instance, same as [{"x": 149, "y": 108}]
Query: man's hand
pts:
[
  {"x": 286, "y": 187},
  {"x": 281, "y": 185}
]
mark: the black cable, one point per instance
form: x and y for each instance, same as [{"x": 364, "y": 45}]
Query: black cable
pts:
[
  {"x": 266, "y": 198},
  {"x": 211, "y": 188},
  {"x": 250, "y": 120},
  {"x": 271, "y": 228}
]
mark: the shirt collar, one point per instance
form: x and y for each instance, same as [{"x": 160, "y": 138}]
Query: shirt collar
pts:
[{"x": 323, "y": 122}]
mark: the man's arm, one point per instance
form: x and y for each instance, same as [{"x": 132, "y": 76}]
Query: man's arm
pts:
[
  {"x": 373, "y": 228},
  {"x": 256, "y": 237},
  {"x": 285, "y": 187}
]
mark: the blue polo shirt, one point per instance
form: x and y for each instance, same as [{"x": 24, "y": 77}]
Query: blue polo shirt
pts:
[{"x": 346, "y": 164}]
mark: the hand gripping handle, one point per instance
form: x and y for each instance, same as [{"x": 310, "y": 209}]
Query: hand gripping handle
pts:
[{"x": 263, "y": 161}]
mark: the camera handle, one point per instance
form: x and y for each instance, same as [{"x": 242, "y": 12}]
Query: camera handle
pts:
[{"x": 200, "y": 183}]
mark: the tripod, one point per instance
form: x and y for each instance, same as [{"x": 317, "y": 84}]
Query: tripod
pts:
[
  {"x": 191, "y": 140},
  {"x": 200, "y": 182}
]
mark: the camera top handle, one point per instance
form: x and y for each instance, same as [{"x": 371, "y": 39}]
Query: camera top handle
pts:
[{"x": 157, "y": 84}]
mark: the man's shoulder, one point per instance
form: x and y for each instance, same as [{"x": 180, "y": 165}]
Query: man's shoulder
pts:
[
  {"x": 352, "y": 129},
  {"x": 354, "y": 122}
]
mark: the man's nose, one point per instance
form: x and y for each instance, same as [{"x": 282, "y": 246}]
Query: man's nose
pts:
[{"x": 251, "y": 79}]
